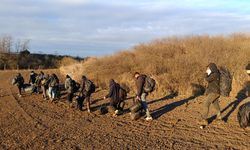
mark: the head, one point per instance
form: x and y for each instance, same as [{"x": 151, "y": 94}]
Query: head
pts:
[
  {"x": 111, "y": 81},
  {"x": 248, "y": 69},
  {"x": 19, "y": 74},
  {"x": 67, "y": 76},
  {"x": 211, "y": 68},
  {"x": 84, "y": 77},
  {"x": 137, "y": 74}
]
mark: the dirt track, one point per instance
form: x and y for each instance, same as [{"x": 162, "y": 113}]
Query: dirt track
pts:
[{"x": 32, "y": 123}]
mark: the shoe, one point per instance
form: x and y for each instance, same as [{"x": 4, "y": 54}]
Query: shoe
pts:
[
  {"x": 218, "y": 117},
  {"x": 149, "y": 118},
  {"x": 204, "y": 122}
]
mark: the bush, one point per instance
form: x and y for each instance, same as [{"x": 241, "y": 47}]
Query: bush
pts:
[{"x": 173, "y": 62}]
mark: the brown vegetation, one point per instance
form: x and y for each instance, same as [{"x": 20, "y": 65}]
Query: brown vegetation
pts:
[{"x": 174, "y": 62}]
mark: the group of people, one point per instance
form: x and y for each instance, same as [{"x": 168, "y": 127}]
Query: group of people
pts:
[
  {"x": 50, "y": 87},
  {"x": 144, "y": 85}
]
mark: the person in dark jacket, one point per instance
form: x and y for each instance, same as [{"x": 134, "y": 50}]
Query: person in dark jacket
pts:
[
  {"x": 87, "y": 87},
  {"x": 212, "y": 92},
  {"x": 19, "y": 82},
  {"x": 32, "y": 79},
  {"x": 70, "y": 89},
  {"x": 141, "y": 94},
  {"x": 114, "y": 95}
]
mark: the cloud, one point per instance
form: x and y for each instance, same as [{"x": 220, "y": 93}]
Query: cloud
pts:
[{"x": 99, "y": 27}]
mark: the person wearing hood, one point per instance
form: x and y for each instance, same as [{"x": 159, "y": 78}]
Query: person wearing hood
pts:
[
  {"x": 140, "y": 81},
  {"x": 19, "y": 82},
  {"x": 114, "y": 96},
  {"x": 70, "y": 89},
  {"x": 212, "y": 92},
  {"x": 87, "y": 88},
  {"x": 32, "y": 79},
  {"x": 44, "y": 85}
]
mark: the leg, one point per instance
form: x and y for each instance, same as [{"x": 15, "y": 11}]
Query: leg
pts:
[
  {"x": 70, "y": 97},
  {"x": 44, "y": 92},
  {"x": 88, "y": 102},
  {"x": 80, "y": 103},
  {"x": 145, "y": 105},
  {"x": 19, "y": 90},
  {"x": 207, "y": 104},
  {"x": 50, "y": 92},
  {"x": 217, "y": 107}
]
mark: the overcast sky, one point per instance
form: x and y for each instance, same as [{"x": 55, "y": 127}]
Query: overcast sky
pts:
[{"x": 101, "y": 27}]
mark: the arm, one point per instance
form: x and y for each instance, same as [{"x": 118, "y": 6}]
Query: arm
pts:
[
  {"x": 212, "y": 77},
  {"x": 111, "y": 91}
]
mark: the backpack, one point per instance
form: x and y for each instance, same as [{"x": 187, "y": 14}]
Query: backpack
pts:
[
  {"x": 149, "y": 85},
  {"x": 74, "y": 85},
  {"x": 89, "y": 86},
  {"x": 225, "y": 82},
  {"x": 243, "y": 115}
]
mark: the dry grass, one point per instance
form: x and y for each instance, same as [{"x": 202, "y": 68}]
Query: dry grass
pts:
[{"x": 174, "y": 62}]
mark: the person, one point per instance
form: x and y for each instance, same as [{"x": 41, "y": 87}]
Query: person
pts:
[
  {"x": 19, "y": 82},
  {"x": 44, "y": 86},
  {"x": 86, "y": 89},
  {"x": 212, "y": 93},
  {"x": 69, "y": 86},
  {"x": 53, "y": 87},
  {"x": 32, "y": 79},
  {"x": 38, "y": 81},
  {"x": 114, "y": 95},
  {"x": 141, "y": 95}
]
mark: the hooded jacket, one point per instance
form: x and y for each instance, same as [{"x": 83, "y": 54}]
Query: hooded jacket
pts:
[
  {"x": 140, "y": 81},
  {"x": 68, "y": 85},
  {"x": 114, "y": 89},
  {"x": 213, "y": 80}
]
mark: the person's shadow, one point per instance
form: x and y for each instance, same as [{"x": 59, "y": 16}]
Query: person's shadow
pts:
[
  {"x": 169, "y": 107},
  {"x": 239, "y": 98},
  {"x": 198, "y": 90},
  {"x": 170, "y": 96}
]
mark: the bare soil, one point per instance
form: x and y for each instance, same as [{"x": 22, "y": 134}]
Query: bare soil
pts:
[{"x": 33, "y": 123}]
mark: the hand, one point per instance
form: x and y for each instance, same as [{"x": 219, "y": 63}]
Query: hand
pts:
[
  {"x": 138, "y": 98},
  {"x": 104, "y": 97}
]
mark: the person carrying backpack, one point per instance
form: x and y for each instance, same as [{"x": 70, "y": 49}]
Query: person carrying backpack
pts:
[
  {"x": 19, "y": 82},
  {"x": 32, "y": 79},
  {"x": 69, "y": 86},
  {"x": 115, "y": 96},
  {"x": 87, "y": 88},
  {"x": 144, "y": 87},
  {"x": 44, "y": 85},
  {"x": 212, "y": 76},
  {"x": 53, "y": 87}
]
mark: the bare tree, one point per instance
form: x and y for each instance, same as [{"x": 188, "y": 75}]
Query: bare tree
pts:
[{"x": 6, "y": 44}]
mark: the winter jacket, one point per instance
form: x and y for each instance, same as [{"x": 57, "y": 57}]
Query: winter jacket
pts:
[
  {"x": 83, "y": 85},
  {"x": 32, "y": 78},
  {"x": 68, "y": 85},
  {"x": 114, "y": 92},
  {"x": 19, "y": 80},
  {"x": 213, "y": 80},
  {"x": 53, "y": 81},
  {"x": 140, "y": 81}
]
